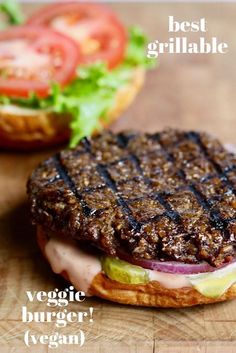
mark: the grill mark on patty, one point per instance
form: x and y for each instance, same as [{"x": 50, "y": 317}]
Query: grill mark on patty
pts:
[
  {"x": 169, "y": 212},
  {"x": 217, "y": 221},
  {"x": 120, "y": 201},
  {"x": 222, "y": 174},
  {"x": 198, "y": 195},
  {"x": 143, "y": 203},
  {"x": 102, "y": 170},
  {"x": 64, "y": 175},
  {"x": 178, "y": 188}
]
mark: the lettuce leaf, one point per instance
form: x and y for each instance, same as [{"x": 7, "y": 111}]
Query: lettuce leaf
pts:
[
  {"x": 90, "y": 96},
  {"x": 13, "y": 12},
  {"x": 136, "y": 51}
]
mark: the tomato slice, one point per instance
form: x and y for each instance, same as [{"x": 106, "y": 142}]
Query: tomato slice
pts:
[
  {"x": 32, "y": 57},
  {"x": 95, "y": 27}
]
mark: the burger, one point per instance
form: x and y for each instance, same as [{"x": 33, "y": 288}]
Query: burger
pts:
[
  {"x": 67, "y": 71},
  {"x": 141, "y": 219}
]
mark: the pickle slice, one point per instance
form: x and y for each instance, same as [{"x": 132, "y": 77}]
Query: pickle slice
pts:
[{"x": 123, "y": 272}]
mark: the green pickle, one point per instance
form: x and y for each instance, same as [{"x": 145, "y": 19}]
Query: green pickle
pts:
[
  {"x": 210, "y": 285},
  {"x": 123, "y": 272}
]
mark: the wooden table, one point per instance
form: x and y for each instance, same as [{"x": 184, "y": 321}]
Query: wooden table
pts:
[{"x": 186, "y": 91}]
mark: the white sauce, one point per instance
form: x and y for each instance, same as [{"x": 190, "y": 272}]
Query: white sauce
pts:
[
  {"x": 169, "y": 280},
  {"x": 15, "y": 110},
  {"x": 81, "y": 267}
]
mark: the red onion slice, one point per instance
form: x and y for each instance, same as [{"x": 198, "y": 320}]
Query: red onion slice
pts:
[{"x": 171, "y": 266}]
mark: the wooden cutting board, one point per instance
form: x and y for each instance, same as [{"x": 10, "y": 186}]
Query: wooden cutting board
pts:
[{"x": 191, "y": 92}]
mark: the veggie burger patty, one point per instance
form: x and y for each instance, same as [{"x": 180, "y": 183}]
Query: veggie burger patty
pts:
[{"x": 165, "y": 196}]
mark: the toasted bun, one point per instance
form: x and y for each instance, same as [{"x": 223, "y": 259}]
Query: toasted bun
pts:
[
  {"x": 22, "y": 128},
  {"x": 150, "y": 294}
]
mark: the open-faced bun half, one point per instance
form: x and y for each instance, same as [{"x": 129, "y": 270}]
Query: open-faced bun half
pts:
[{"x": 23, "y": 128}]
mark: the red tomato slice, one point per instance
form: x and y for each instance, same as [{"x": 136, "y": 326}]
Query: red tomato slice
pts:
[
  {"x": 95, "y": 27},
  {"x": 32, "y": 57}
]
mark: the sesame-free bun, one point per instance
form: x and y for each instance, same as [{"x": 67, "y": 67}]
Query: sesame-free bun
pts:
[
  {"x": 151, "y": 294},
  {"x": 25, "y": 129}
]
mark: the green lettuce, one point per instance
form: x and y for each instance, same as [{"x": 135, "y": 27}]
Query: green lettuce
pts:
[
  {"x": 13, "y": 12},
  {"x": 90, "y": 96}
]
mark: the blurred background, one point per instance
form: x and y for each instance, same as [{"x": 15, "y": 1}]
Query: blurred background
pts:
[{"x": 186, "y": 91}]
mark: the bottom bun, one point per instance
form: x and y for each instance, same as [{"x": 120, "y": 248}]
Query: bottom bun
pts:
[
  {"x": 151, "y": 294},
  {"x": 22, "y": 128}
]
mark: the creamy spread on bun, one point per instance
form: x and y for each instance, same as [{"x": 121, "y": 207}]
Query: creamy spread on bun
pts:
[{"x": 81, "y": 268}]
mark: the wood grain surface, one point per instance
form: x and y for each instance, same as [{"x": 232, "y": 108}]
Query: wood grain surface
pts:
[{"x": 186, "y": 91}]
